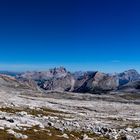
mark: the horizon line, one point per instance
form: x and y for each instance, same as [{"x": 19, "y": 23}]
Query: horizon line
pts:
[{"x": 74, "y": 68}]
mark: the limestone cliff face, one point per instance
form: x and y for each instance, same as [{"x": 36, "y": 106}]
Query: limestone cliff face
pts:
[
  {"x": 104, "y": 82},
  {"x": 64, "y": 83}
]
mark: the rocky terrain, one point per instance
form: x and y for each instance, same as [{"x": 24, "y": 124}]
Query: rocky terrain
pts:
[{"x": 48, "y": 106}]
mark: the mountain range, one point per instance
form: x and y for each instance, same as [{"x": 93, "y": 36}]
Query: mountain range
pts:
[{"x": 59, "y": 79}]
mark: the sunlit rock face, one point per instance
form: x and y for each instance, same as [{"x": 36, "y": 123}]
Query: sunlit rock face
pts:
[{"x": 104, "y": 82}]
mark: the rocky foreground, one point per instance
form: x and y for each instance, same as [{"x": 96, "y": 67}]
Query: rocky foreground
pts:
[{"x": 62, "y": 116}]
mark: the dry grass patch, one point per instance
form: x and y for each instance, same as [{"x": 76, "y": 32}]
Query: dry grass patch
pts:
[
  {"x": 35, "y": 112},
  {"x": 55, "y": 134},
  {"x": 5, "y": 136}
]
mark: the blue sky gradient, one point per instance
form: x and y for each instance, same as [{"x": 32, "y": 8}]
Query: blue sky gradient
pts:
[{"x": 77, "y": 34}]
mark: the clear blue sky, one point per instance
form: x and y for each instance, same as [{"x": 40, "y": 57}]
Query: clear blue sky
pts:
[{"x": 78, "y": 34}]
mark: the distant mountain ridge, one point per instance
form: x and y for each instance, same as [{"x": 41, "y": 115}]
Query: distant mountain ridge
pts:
[
  {"x": 59, "y": 79},
  {"x": 9, "y": 73}
]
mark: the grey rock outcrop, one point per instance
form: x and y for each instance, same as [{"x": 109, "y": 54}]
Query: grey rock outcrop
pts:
[
  {"x": 104, "y": 82},
  {"x": 64, "y": 83},
  {"x": 83, "y": 82}
]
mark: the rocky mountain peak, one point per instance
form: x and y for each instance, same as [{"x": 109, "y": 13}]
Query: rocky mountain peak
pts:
[
  {"x": 131, "y": 71},
  {"x": 58, "y": 72},
  {"x": 128, "y": 76}
]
